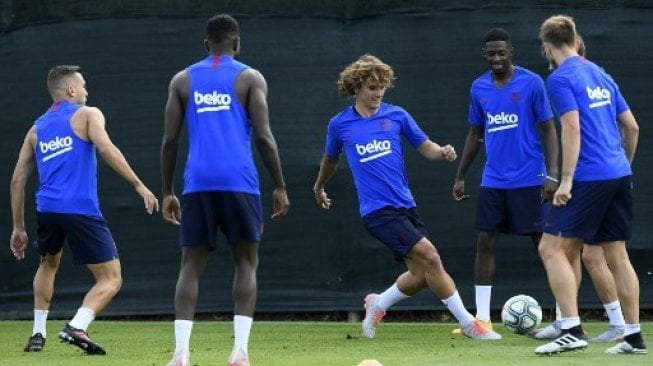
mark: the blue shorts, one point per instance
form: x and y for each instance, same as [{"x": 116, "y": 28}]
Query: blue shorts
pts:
[
  {"x": 598, "y": 211},
  {"x": 398, "y": 228},
  {"x": 238, "y": 215},
  {"x": 89, "y": 238},
  {"x": 510, "y": 211}
]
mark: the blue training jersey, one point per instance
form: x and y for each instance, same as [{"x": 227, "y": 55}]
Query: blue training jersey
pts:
[
  {"x": 375, "y": 154},
  {"x": 67, "y": 165},
  {"x": 220, "y": 155},
  {"x": 510, "y": 116},
  {"x": 580, "y": 85}
]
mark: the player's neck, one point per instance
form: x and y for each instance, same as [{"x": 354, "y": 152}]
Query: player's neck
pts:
[
  {"x": 364, "y": 111},
  {"x": 503, "y": 78}
]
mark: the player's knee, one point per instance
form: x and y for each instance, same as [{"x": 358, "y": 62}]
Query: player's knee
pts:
[
  {"x": 432, "y": 259},
  {"x": 111, "y": 284}
]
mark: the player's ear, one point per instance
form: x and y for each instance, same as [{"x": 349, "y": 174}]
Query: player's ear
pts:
[
  {"x": 206, "y": 44},
  {"x": 237, "y": 45}
]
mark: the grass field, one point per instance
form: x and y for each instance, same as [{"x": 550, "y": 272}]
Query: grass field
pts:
[{"x": 302, "y": 343}]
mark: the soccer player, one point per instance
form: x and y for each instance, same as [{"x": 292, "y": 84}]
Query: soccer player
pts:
[
  {"x": 63, "y": 144},
  {"x": 369, "y": 132},
  {"x": 223, "y": 103},
  {"x": 597, "y": 267},
  {"x": 509, "y": 114},
  {"x": 593, "y": 203}
]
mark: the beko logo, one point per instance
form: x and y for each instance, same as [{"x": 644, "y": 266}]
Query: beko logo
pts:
[
  {"x": 376, "y": 148},
  {"x": 56, "y": 147},
  {"x": 602, "y": 94},
  {"x": 501, "y": 121},
  {"x": 212, "y": 102}
]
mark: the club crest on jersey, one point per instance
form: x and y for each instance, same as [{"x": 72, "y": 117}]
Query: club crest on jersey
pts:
[
  {"x": 502, "y": 121},
  {"x": 55, "y": 147},
  {"x": 386, "y": 125},
  {"x": 212, "y": 102},
  {"x": 599, "y": 96},
  {"x": 373, "y": 150}
]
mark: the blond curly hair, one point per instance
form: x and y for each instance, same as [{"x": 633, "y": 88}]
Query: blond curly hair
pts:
[{"x": 365, "y": 67}]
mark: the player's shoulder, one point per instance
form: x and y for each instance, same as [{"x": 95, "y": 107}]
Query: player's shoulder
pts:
[
  {"x": 484, "y": 78},
  {"x": 90, "y": 110},
  {"x": 389, "y": 108},
  {"x": 524, "y": 73},
  {"x": 344, "y": 115}
]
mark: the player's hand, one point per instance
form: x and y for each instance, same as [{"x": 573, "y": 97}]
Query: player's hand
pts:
[
  {"x": 18, "y": 243},
  {"x": 448, "y": 153},
  {"x": 458, "y": 190},
  {"x": 322, "y": 199},
  {"x": 280, "y": 203},
  {"x": 149, "y": 199},
  {"x": 171, "y": 210},
  {"x": 548, "y": 190},
  {"x": 563, "y": 194}
]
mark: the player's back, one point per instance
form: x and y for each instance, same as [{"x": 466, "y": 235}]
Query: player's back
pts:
[
  {"x": 581, "y": 85},
  {"x": 220, "y": 155},
  {"x": 67, "y": 164}
]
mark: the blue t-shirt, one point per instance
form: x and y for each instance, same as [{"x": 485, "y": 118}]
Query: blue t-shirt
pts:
[
  {"x": 219, "y": 154},
  {"x": 510, "y": 116},
  {"x": 580, "y": 85},
  {"x": 375, "y": 154},
  {"x": 67, "y": 165}
]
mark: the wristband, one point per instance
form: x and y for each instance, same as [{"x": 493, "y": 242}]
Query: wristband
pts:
[{"x": 553, "y": 179}]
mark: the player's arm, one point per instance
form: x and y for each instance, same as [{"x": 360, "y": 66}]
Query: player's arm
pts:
[
  {"x": 433, "y": 151},
  {"x": 629, "y": 133},
  {"x": 22, "y": 171},
  {"x": 552, "y": 150},
  {"x": 570, "y": 139},
  {"x": 173, "y": 120},
  {"x": 257, "y": 107},
  {"x": 98, "y": 135},
  {"x": 328, "y": 167},
  {"x": 473, "y": 144},
  {"x": 550, "y": 142}
]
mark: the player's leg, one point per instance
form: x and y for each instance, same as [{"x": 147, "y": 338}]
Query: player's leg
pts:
[
  {"x": 627, "y": 285},
  {"x": 197, "y": 238},
  {"x": 244, "y": 291},
  {"x": 484, "y": 269},
  {"x": 192, "y": 266},
  {"x": 425, "y": 255},
  {"x": 108, "y": 281},
  {"x": 613, "y": 232},
  {"x": 240, "y": 217},
  {"x": 43, "y": 286},
  {"x": 491, "y": 218},
  {"x": 554, "y": 251},
  {"x": 597, "y": 267}
]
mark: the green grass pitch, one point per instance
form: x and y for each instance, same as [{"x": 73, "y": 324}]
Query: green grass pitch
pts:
[{"x": 303, "y": 344}]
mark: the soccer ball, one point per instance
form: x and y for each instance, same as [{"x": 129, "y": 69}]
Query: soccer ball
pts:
[{"x": 521, "y": 314}]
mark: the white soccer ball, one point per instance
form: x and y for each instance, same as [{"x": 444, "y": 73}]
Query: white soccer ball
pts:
[{"x": 521, "y": 314}]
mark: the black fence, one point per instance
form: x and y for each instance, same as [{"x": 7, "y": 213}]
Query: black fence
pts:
[{"x": 313, "y": 260}]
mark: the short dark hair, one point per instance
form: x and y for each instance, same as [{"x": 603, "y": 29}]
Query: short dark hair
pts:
[
  {"x": 222, "y": 27},
  {"x": 58, "y": 73},
  {"x": 496, "y": 34}
]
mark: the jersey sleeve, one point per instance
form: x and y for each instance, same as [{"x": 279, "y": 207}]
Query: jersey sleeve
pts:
[
  {"x": 561, "y": 95},
  {"x": 412, "y": 131},
  {"x": 621, "y": 103},
  {"x": 541, "y": 103},
  {"x": 333, "y": 146}
]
